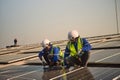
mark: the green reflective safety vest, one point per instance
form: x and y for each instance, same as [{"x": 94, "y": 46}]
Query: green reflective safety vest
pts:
[
  {"x": 61, "y": 55},
  {"x": 71, "y": 47}
]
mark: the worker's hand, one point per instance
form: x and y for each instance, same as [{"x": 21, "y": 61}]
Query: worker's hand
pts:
[
  {"x": 43, "y": 62},
  {"x": 79, "y": 51},
  {"x": 50, "y": 56},
  {"x": 79, "y": 59}
]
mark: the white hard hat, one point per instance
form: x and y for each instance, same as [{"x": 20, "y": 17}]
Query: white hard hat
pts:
[
  {"x": 72, "y": 34},
  {"x": 45, "y": 43}
]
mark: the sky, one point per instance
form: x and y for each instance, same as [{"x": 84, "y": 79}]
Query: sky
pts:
[{"x": 31, "y": 21}]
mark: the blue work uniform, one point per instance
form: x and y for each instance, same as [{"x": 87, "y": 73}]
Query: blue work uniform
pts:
[
  {"x": 72, "y": 52},
  {"x": 85, "y": 47},
  {"x": 53, "y": 52}
]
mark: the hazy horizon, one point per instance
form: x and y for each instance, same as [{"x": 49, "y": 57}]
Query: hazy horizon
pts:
[{"x": 31, "y": 21}]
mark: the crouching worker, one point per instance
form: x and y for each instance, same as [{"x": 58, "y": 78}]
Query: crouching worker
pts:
[
  {"x": 77, "y": 50},
  {"x": 52, "y": 55}
]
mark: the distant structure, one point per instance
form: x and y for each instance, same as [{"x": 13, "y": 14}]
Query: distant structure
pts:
[
  {"x": 15, "y": 42},
  {"x": 14, "y": 45}
]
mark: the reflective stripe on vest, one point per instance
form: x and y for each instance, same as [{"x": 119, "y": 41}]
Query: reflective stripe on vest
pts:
[{"x": 71, "y": 47}]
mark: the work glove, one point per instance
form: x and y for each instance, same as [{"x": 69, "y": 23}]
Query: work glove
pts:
[{"x": 80, "y": 53}]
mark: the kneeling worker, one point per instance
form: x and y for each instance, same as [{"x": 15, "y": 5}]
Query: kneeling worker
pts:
[
  {"x": 77, "y": 50},
  {"x": 52, "y": 54}
]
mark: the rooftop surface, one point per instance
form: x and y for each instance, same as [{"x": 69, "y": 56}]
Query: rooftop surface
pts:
[{"x": 22, "y": 63}]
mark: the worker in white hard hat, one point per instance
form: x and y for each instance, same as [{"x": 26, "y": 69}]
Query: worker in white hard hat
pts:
[
  {"x": 77, "y": 50},
  {"x": 52, "y": 54}
]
